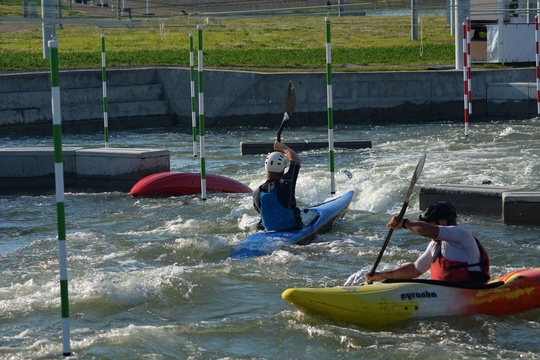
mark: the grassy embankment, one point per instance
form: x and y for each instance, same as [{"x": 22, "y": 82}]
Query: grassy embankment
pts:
[{"x": 292, "y": 43}]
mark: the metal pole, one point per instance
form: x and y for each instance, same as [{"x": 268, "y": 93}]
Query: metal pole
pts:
[
  {"x": 461, "y": 11},
  {"x": 329, "y": 101},
  {"x": 48, "y": 29},
  {"x": 60, "y": 13},
  {"x": 414, "y": 19},
  {"x": 59, "y": 181},
  {"x": 452, "y": 17}
]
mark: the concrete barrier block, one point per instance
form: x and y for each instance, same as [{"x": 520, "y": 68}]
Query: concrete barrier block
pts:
[
  {"x": 33, "y": 167},
  {"x": 251, "y": 148},
  {"x": 34, "y": 161},
  {"x": 119, "y": 168},
  {"x": 476, "y": 199},
  {"x": 521, "y": 208}
]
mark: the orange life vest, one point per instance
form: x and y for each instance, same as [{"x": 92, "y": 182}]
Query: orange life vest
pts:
[{"x": 458, "y": 271}]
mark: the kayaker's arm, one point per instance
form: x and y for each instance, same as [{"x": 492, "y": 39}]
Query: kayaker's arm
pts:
[
  {"x": 291, "y": 154},
  {"x": 419, "y": 227},
  {"x": 407, "y": 271}
]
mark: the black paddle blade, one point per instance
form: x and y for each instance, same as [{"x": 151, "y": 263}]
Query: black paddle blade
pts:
[
  {"x": 290, "y": 103},
  {"x": 415, "y": 177}
]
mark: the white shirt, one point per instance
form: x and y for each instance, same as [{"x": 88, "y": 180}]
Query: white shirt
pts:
[{"x": 457, "y": 244}]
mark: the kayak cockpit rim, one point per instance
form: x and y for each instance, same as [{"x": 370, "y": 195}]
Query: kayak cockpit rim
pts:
[{"x": 480, "y": 286}]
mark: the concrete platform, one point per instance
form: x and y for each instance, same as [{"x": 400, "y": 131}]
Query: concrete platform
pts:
[
  {"x": 118, "y": 168},
  {"x": 474, "y": 199},
  {"x": 108, "y": 169},
  {"x": 33, "y": 167},
  {"x": 253, "y": 148},
  {"x": 521, "y": 208}
]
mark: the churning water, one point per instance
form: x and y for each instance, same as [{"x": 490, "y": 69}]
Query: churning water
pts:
[{"x": 150, "y": 278}]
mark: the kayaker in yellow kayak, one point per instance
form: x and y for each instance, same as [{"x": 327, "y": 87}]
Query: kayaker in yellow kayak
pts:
[
  {"x": 275, "y": 200},
  {"x": 453, "y": 253}
]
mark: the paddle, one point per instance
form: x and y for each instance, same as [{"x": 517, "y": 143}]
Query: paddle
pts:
[
  {"x": 415, "y": 177},
  {"x": 290, "y": 103}
]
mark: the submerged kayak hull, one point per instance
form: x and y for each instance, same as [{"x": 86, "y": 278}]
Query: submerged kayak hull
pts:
[
  {"x": 183, "y": 183},
  {"x": 265, "y": 242},
  {"x": 385, "y": 303}
]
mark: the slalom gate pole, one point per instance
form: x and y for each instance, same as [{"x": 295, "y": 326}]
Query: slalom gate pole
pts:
[
  {"x": 59, "y": 182},
  {"x": 329, "y": 101},
  {"x": 104, "y": 83},
  {"x": 465, "y": 80},
  {"x": 536, "y": 37},
  {"x": 201, "y": 111},
  {"x": 192, "y": 85},
  {"x": 469, "y": 65}
]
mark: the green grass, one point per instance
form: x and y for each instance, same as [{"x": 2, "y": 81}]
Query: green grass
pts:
[{"x": 292, "y": 43}]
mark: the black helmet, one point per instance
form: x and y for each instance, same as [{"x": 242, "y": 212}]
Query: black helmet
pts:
[{"x": 440, "y": 210}]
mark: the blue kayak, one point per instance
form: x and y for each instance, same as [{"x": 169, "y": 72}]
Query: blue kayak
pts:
[{"x": 317, "y": 219}]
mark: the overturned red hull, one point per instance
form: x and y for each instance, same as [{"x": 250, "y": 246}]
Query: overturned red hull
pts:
[{"x": 180, "y": 183}]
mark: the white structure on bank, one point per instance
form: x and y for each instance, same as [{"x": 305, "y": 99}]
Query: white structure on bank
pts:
[{"x": 503, "y": 30}]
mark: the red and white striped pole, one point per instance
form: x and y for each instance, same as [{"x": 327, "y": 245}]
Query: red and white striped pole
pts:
[
  {"x": 469, "y": 87},
  {"x": 465, "y": 80},
  {"x": 536, "y": 36}
]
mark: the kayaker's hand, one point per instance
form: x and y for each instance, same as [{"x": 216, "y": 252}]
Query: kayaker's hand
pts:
[
  {"x": 280, "y": 146},
  {"x": 394, "y": 224},
  {"x": 354, "y": 279},
  {"x": 375, "y": 277}
]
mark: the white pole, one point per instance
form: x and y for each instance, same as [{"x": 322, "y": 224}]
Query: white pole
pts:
[
  {"x": 104, "y": 85},
  {"x": 201, "y": 112},
  {"x": 192, "y": 85},
  {"x": 465, "y": 80},
  {"x": 537, "y": 56},
  {"x": 469, "y": 64},
  {"x": 329, "y": 100},
  {"x": 59, "y": 182}
]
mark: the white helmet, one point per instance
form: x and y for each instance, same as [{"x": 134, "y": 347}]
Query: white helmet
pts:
[{"x": 276, "y": 162}]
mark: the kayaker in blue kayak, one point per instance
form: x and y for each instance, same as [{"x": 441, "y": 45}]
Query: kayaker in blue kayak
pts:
[
  {"x": 275, "y": 200},
  {"x": 453, "y": 253}
]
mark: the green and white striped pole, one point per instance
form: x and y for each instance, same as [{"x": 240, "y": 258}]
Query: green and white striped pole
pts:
[
  {"x": 192, "y": 84},
  {"x": 201, "y": 111},
  {"x": 329, "y": 101},
  {"x": 59, "y": 181},
  {"x": 104, "y": 82}
]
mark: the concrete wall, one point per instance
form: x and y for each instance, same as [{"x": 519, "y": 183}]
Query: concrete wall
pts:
[{"x": 161, "y": 96}]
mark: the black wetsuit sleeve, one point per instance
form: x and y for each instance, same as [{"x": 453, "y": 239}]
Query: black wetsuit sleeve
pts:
[
  {"x": 257, "y": 200},
  {"x": 287, "y": 186}
]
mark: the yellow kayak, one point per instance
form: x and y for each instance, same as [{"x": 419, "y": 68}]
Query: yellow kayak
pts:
[{"x": 392, "y": 301}]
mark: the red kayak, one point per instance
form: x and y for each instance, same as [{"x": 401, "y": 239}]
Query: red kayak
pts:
[{"x": 180, "y": 183}]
